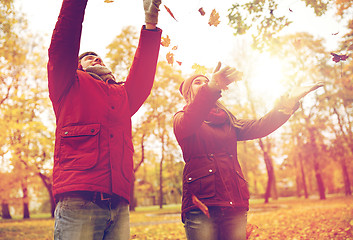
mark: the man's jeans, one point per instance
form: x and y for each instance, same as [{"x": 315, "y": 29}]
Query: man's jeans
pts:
[
  {"x": 224, "y": 224},
  {"x": 76, "y": 218}
]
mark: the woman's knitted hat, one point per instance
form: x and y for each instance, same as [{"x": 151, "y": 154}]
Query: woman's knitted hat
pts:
[{"x": 186, "y": 84}]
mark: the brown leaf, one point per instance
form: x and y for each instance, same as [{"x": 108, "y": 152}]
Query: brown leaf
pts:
[
  {"x": 337, "y": 57},
  {"x": 165, "y": 41},
  {"x": 170, "y": 12},
  {"x": 202, "y": 12},
  {"x": 214, "y": 18}
]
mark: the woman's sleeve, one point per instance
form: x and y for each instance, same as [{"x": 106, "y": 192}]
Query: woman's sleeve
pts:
[
  {"x": 253, "y": 129},
  {"x": 188, "y": 121}
]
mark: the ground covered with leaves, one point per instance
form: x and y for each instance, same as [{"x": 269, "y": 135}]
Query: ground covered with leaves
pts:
[{"x": 289, "y": 219}]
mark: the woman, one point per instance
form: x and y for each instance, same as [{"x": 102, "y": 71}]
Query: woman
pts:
[{"x": 215, "y": 193}]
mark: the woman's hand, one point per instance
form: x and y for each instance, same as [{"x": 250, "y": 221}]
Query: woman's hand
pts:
[{"x": 221, "y": 78}]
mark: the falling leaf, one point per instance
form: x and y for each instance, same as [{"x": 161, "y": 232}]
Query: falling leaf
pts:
[
  {"x": 335, "y": 33},
  {"x": 200, "y": 205},
  {"x": 337, "y": 57},
  {"x": 202, "y": 12},
  {"x": 175, "y": 48},
  {"x": 290, "y": 10},
  {"x": 170, "y": 12},
  {"x": 165, "y": 41},
  {"x": 108, "y": 1},
  {"x": 214, "y": 18},
  {"x": 170, "y": 58},
  {"x": 178, "y": 63}
]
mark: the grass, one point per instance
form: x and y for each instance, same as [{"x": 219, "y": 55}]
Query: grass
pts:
[{"x": 287, "y": 218}]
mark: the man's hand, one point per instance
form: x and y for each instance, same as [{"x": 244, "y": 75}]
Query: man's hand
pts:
[
  {"x": 151, "y": 12},
  {"x": 221, "y": 78}
]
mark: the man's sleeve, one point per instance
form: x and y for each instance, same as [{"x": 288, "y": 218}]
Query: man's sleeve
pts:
[
  {"x": 143, "y": 69},
  {"x": 64, "y": 48}
]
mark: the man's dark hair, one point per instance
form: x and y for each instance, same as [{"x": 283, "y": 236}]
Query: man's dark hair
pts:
[{"x": 86, "y": 54}]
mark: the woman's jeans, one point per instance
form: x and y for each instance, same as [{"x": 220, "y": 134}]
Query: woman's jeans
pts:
[
  {"x": 225, "y": 224},
  {"x": 77, "y": 218}
]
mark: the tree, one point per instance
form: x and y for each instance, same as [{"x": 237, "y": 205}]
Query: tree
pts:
[{"x": 264, "y": 20}]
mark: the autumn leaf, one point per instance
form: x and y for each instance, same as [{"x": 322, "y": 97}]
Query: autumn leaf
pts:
[
  {"x": 250, "y": 228},
  {"x": 202, "y": 12},
  {"x": 178, "y": 62},
  {"x": 170, "y": 58},
  {"x": 214, "y": 18},
  {"x": 165, "y": 41},
  {"x": 199, "y": 69},
  {"x": 200, "y": 205},
  {"x": 108, "y": 1},
  {"x": 337, "y": 57},
  {"x": 175, "y": 48},
  {"x": 170, "y": 12}
]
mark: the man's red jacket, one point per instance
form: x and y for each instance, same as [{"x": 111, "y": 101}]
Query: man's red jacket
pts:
[{"x": 93, "y": 146}]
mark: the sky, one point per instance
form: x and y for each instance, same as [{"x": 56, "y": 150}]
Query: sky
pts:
[{"x": 197, "y": 41}]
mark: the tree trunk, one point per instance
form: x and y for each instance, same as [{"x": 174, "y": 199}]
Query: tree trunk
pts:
[
  {"x": 25, "y": 199},
  {"x": 161, "y": 184},
  {"x": 303, "y": 177},
  {"x": 5, "y": 211},
  {"x": 314, "y": 151},
  {"x": 271, "y": 182},
  {"x": 161, "y": 176},
  {"x": 49, "y": 186},
  {"x": 347, "y": 183}
]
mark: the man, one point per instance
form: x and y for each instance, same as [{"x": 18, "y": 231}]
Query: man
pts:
[{"x": 93, "y": 148}]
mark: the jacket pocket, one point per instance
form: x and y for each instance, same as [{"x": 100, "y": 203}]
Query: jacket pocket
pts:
[
  {"x": 201, "y": 182},
  {"x": 79, "y": 147},
  {"x": 243, "y": 186}
]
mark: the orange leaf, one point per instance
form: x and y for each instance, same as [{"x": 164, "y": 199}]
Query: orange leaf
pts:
[
  {"x": 165, "y": 41},
  {"x": 170, "y": 12},
  {"x": 200, "y": 205},
  {"x": 175, "y": 48},
  {"x": 214, "y": 18},
  {"x": 108, "y": 1},
  {"x": 170, "y": 58},
  {"x": 202, "y": 12},
  {"x": 179, "y": 63},
  {"x": 249, "y": 229}
]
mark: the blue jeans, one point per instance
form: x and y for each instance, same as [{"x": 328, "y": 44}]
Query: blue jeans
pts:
[
  {"x": 77, "y": 218},
  {"x": 224, "y": 224}
]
